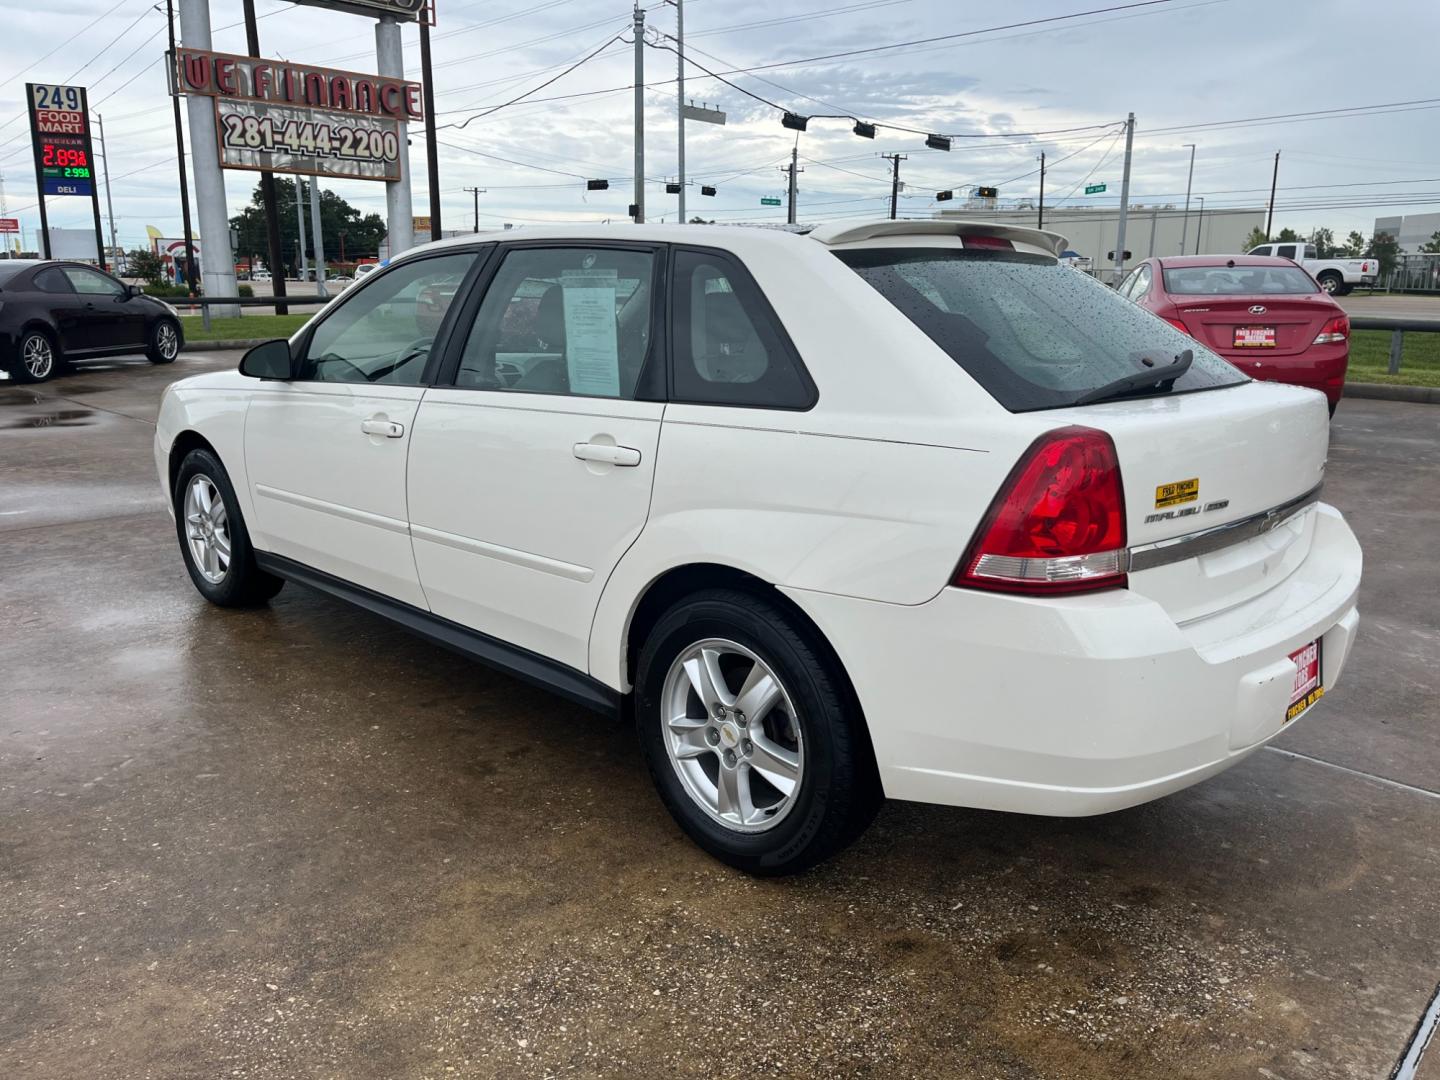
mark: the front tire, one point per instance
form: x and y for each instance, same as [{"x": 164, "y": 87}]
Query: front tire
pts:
[
  {"x": 164, "y": 344},
  {"x": 38, "y": 357},
  {"x": 213, "y": 538},
  {"x": 752, "y": 735}
]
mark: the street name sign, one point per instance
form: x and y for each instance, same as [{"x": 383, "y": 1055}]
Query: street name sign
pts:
[{"x": 1094, "y": 189}]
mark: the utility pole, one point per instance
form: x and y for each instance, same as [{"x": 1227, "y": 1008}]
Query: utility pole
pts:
[
  {"x": 180, "y": 151},
  {"x": 432, "y": 150},
  {"x": 300, "y": 262},
  {"x": 274, "y": 255},
  {"x": 1185, "y": 222},
  {"x": 894, "y": 160},
  {"x": 680, "y": 103},
  {"x": 1270, "y": 211},
  {"x": 318, "y": 233},
  {"x": 109, "y": 206},
  {"x": 477, "y": 192},
  {"x": 1040, "y": 217},
  {"x": 639, "y": 26},
  {"x": 793, "y": 168},
  {"x": 1124, "y": 200}
]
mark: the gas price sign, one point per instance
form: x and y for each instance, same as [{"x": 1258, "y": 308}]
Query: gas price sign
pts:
[{"x": 60, "y": 134}]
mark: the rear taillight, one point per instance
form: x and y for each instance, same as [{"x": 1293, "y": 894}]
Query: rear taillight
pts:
[
  {"x": 1057, "y": 524},
  {"x": 1334, "y": 332},
  {"x": 1177, "y": 324}
]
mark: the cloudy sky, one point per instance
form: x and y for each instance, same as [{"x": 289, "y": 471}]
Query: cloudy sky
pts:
[{"x": 1186, "y": 68}]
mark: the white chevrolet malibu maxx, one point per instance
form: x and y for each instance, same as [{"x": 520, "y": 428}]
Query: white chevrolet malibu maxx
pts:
[{"x": 902, "y": 509}]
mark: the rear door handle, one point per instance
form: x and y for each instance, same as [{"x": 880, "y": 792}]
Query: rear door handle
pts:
[
  {"x": 388, "y": 428},
  {"x": 609, "y": 455}
]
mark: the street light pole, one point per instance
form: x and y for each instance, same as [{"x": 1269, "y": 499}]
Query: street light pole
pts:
[
  {"x": 1185, "y": 222},
  {"x": 1199, "y": 223},
  {"x": 1274, "y": 179},
  {"x": 109, "y": 206}
]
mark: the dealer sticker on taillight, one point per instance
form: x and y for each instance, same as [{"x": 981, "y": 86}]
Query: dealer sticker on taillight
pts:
[{"x": 1308, "y": 689}]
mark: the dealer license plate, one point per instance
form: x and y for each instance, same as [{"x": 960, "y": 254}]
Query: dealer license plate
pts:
[
  {"x": 1308, "y": 689},
  {"x": 1254, "y": 337}
]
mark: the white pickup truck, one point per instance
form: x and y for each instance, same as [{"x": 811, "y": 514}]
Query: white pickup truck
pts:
[{"x": 1336, "y": 276}]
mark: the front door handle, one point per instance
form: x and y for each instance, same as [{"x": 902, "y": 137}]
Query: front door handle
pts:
[
  {"x": 607, "y": 454},
  {"x": 388, "y": 428}
]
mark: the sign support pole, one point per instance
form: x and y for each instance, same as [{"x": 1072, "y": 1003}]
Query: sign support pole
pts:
[
  {"x": 94, "y": 191},
  {"x": 432, "y": 150},
  {"x": 218, "y": 271},
  {"x": 390, "y": 59},
  {"x": 39, "y": 177}
]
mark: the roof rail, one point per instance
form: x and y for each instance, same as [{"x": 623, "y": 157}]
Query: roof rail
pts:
[{"x": 876, "y": 230}]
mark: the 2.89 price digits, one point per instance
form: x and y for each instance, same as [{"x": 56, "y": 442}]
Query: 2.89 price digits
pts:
[
  {"x": 264, "y": 134},
  {"x": 59, "y": 155}
]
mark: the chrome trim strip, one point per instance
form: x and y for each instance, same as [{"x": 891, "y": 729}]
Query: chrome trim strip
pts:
[
  {"x": 504, "y": 554},
  {"x": 348, "y": 513},
  {"x": 1179, "y": 548}
]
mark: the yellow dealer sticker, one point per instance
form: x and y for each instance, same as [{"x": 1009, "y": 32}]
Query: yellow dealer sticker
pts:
[{"x": 1182, "y": 491}]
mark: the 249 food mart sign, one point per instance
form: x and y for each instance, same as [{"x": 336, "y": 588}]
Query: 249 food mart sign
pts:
[{"x": 297, "y": 118}]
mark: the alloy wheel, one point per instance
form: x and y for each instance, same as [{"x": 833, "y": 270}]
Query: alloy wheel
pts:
[
  {"x": 207, "y": 528},
  {"x": 167, "y": 342},
  {"x": 38, "y": 356},
  {"x": 732, "y": 735}
]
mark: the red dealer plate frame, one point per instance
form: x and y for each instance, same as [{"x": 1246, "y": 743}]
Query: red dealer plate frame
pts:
[{"x": 1309, "y": 675}]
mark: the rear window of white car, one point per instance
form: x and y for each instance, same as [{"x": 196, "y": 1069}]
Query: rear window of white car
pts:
[
  {"x": 1034, "y": 333},
  {"x": 1238, "y": 281}
]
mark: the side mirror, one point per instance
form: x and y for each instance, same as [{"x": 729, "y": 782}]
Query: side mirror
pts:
[
  {"x": 268, "y": 360},
  {"x": 132, "y": 291}
]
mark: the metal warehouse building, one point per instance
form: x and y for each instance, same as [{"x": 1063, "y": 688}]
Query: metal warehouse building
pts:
[{"x": 1150, "y": 230}]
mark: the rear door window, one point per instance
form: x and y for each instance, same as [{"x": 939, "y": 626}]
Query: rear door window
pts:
[
  {"x": 1286, "y": 251},
  {"x": 1033, "y": 333}
]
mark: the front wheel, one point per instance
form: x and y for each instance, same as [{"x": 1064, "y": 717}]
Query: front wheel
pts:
[
  {"x": 751, "y": 734},
  {"x": 37, "y": 358},
  {"x": 164, "y": 343},
  {"x": 213, "y": 538}
]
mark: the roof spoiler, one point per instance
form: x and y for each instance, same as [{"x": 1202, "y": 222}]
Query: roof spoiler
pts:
[{"x": 879, "y": 230}]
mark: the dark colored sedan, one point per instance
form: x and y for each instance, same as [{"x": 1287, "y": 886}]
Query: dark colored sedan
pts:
[
  {"x": 1265, "y": 315},
  {"x": 54, "y": 312}
]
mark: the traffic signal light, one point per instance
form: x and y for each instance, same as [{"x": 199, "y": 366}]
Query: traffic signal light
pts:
[
  {"x": 944, "y": 196},
  {"x": 794, "y": 121},
  {"x": 597, "y": 185},
  {"x": 987, "y": 193}
]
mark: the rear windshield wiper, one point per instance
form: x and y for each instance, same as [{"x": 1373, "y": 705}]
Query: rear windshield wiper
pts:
[{"x": 1141, "y": 380}]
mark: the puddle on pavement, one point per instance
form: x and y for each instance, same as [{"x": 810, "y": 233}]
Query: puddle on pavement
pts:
[
  {"x": 20, "y": 397},
  {"x": 58, "y": 418}
]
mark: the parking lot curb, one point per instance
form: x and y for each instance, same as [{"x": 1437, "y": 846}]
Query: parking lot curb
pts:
[
  {"x": 1426, "y": 395},
  {"x": 216, "y": 346}
]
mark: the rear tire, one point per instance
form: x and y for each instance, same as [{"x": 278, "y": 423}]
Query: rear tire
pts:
[
  {"x": 37, "y": 358},
  {"x": 773, "y": 792},
  {"x": 164, "y": 344},
  {"x": 1331, "y": 282},
  {"x": 213, "y": 539}
]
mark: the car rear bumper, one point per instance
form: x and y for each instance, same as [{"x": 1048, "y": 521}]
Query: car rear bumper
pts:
[
  {"x": 1086, "y": 704},
  {"x": 1319, "y": 368}
]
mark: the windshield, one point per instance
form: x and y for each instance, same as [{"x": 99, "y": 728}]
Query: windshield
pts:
[
  {"x": 1238, "y": 281},
  {"x": 1034, "y": 333}
]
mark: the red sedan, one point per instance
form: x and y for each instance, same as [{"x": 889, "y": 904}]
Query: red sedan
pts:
[{"x": 1265, "y": 315}]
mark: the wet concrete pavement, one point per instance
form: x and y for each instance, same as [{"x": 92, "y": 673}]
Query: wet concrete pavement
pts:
[{"x": 297, "y": 842}]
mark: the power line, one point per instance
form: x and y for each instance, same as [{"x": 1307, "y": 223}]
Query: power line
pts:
[
  {"x": 521, "y": 97},
  {"x": 84, "y": 29}
]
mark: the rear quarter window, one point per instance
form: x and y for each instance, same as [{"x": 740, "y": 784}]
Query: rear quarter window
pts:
[{"x": 1034, "y": 333}]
